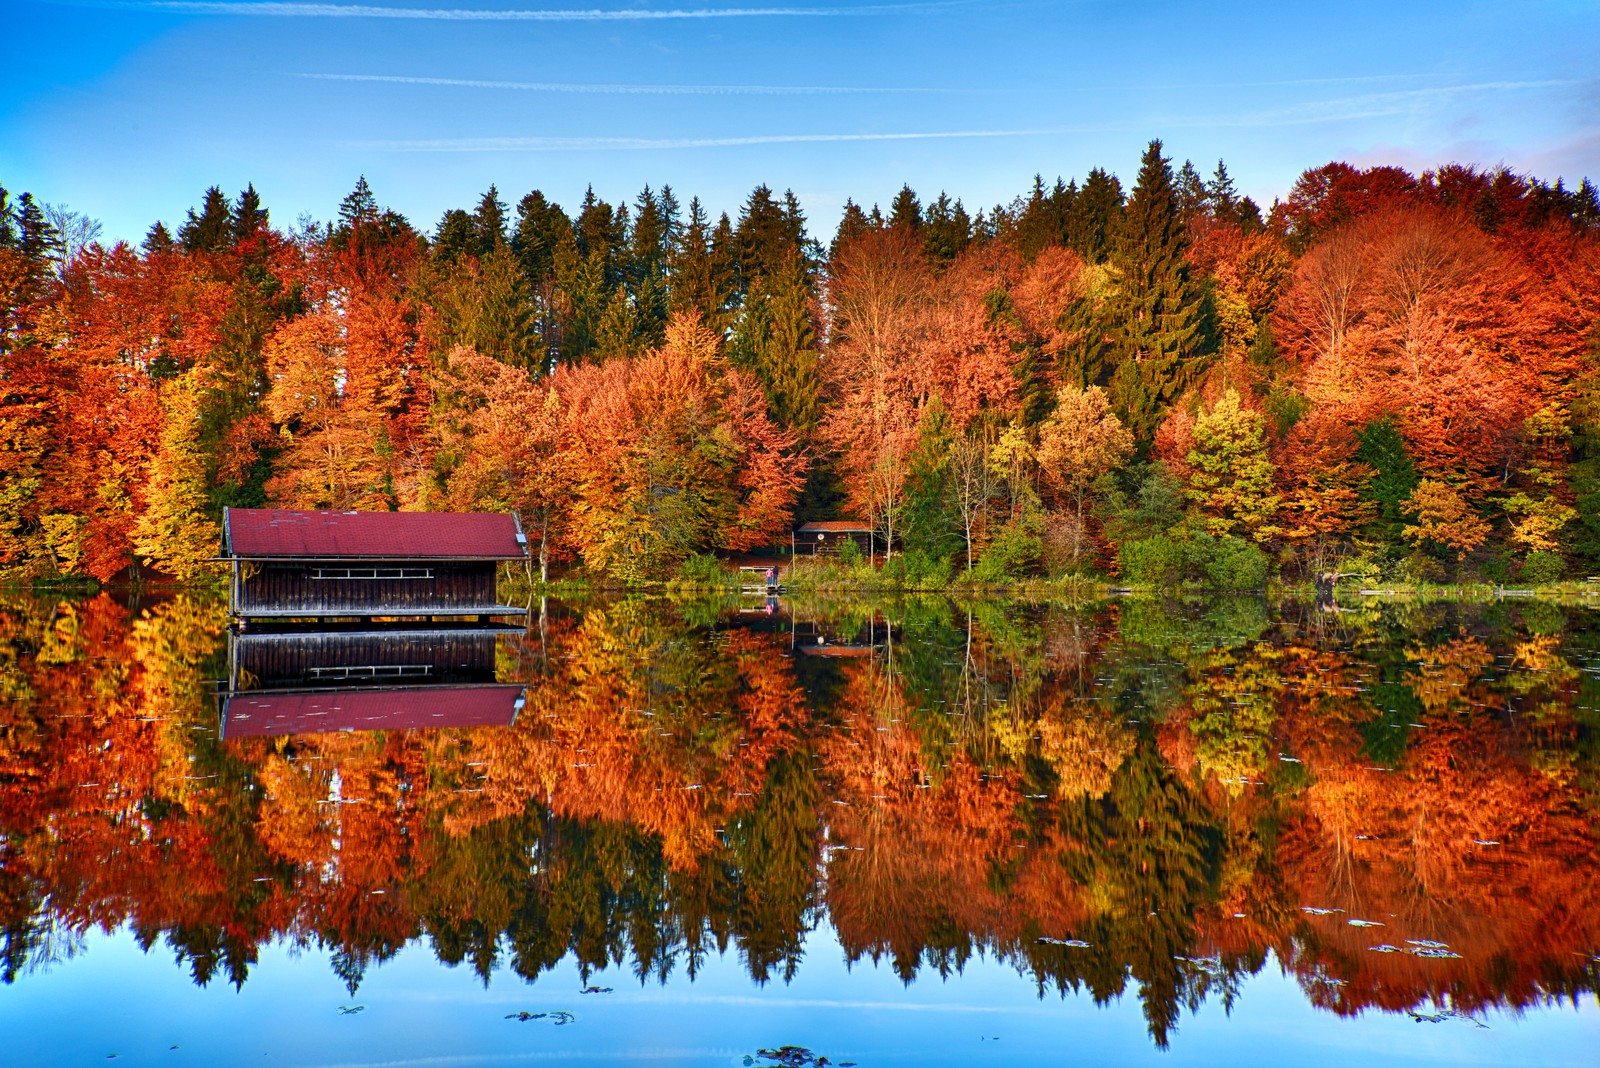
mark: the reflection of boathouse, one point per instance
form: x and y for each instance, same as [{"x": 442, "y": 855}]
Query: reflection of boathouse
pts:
[
  {"x": 291, "y": 564},
  {"x": 287, "y": 681}
]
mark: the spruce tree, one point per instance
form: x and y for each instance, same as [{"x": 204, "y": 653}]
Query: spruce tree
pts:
[
  {"x": 1191, "y": 193},
  {"x": 905, "y": 211},
  {"x": 158, "y": 239},
  {"x": 489, "y": 221},
  {"x": 946, "y": 229},
  {"x": 360, "y": 208},
  {"x": 8, "y": 229},
  {"x": 212, "y": 229},
  {"x": 456, "y": 236},
  {"x": 541, "y": 226},
  {"x": 852, "y": 225},
  {"x": 700, "y": 276},
  {"x": 1095, "y": 216},
  {"x": 1159, "y": 342},
  {"x": 248, "y": 215}
]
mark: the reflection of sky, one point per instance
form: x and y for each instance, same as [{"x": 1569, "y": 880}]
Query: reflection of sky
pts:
[
  {"x": 116, "y": 1000},
  {"x": 129, "y": 109}
]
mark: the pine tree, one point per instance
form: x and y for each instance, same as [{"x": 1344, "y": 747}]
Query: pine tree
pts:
[
  {"x": 248, "y": 215},
  {"x": 489, "y": 221},
  {"x": 768, "y": 232},
  {"x": 8, "y": 229},
  {"x": 1095, "y": 217},
  {"x": 360, "y": 208},
  {"x": 1191, "y": 193},
  {"x": 700, "y": 279},
  {"x": 852, "y": 225},
  {"x": 905, "y": 211},
  {"x": 212, "y": 229},
  {"x": 946, "y": 229},
  {"x": 775, "y": 339},
  {"x": 1160, "y": 339},
  {"x": 456, "y": 236},
  {"x": 541, "y": 227},
  {"x": 158, "y": 239}
]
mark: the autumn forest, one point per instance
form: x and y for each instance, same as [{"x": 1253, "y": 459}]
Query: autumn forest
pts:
[{"x": 1382, "y": 372}]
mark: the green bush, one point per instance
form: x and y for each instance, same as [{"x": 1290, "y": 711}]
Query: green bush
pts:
[
  {"x": 1228, "y": 563},
  {"x": 916, "y": 570},
  {"x": 1420, "y": 567},
  {"x": 704, "y": 571},
  {"x": 849, "y": 554},
  {"x": 1540, "y": 568},
  {"x": 1013, "y": 552},
  {"x": 1154, "y": 561}
]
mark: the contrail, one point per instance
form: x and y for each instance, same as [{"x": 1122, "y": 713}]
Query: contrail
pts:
[
  {"x": 639, "y": 90},
  {"x": 290, "y": 9},
  {"x": 581, "y": 144}
]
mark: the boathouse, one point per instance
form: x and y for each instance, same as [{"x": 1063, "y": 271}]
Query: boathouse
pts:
[
  {"x": 287, "y": 680},
  {"x": 829, "y": 535},
  {"x": 367, "y": 565}
]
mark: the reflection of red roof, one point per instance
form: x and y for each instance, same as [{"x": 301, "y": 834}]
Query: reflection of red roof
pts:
[
  {"x": 261, "y": 533},
  {"x": 257, "y": 715},
  {"x": 836, "y": 526}
]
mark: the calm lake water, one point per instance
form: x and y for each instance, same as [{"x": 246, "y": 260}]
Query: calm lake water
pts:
[{"x": 906, "y": 833}]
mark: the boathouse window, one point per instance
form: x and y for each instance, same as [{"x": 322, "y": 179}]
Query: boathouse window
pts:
[{"x": 391, "y": 573}]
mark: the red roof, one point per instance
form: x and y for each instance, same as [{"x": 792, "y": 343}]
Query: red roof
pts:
[
  {"x": 262, "y": 714},
  {"x": 256, "y": 533},
  {"x": 836, "y": 526}
]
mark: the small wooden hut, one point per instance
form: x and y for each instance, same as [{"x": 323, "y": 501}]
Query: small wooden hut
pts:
[
  {"x": 829, "y": 535},
  {"x": 319, "y": 565}
]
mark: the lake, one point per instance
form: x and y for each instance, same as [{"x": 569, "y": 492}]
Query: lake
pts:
[{"x": 911, "y": 832}]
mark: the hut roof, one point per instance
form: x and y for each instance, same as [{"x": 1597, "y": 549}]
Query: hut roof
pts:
[
  {"x": 266, "y": 533},
  {"x": 262, "y": 714},
  {"x": 836, "y": 526}
]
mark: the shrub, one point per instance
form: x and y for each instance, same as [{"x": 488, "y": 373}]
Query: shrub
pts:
[
  {"x": 1013, "y": 552},
  {"x": 1228, "y": 563},
  {"x": 704, "y": 571},
  {"x": 1154, "y": 561},
  {"x": 1542, "y": 567},
  {"x": 916, "y": 570},
  {"x": 1420, "y": 567},
  {"x": 849, "y": 554}
]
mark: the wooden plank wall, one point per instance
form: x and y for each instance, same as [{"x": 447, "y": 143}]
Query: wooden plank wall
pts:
[
  {"x": 291, "y": 588},
  {"x": 285, "y": 660}
]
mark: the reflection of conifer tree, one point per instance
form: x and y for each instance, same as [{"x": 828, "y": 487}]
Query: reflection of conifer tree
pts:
[
  {"x": 772, "y": 851},
  {"x": 1162, "y": 851}
]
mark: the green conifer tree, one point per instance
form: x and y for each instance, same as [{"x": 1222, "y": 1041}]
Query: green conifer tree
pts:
[
  {"x": 212, "y": 229},
  {"x": 1160, "y": 340}
]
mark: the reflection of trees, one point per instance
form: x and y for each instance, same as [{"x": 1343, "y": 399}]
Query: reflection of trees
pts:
[{"x": 1170, "y": 785}]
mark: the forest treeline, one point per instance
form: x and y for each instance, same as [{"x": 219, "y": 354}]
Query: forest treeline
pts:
[{"x": 1387, "y": 373}]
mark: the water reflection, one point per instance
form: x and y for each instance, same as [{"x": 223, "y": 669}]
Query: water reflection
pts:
[{"x": 1397, "y": 804}]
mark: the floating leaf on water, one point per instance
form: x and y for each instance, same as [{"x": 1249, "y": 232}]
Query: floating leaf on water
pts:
[
  {"x": 1426, "y": 943},
  {"x": 1484, "y": 842},
  {"x": 1384, "y": 948},
  {"x": 350, "y": 1010},
  {"x": 1073, "y": 943},
  {"x": 1312, "y": 910},
  {"x": 1364, "y": 923},
  {"x": 595, "y": 990}
]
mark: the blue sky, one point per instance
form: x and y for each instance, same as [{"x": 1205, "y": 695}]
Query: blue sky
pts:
[{"x": 128, "y": 110}]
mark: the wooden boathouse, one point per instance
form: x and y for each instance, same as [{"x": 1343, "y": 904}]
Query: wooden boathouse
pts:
[
  {"x": 290, "y": 680},
  {"x": 368, "y": 565}
]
